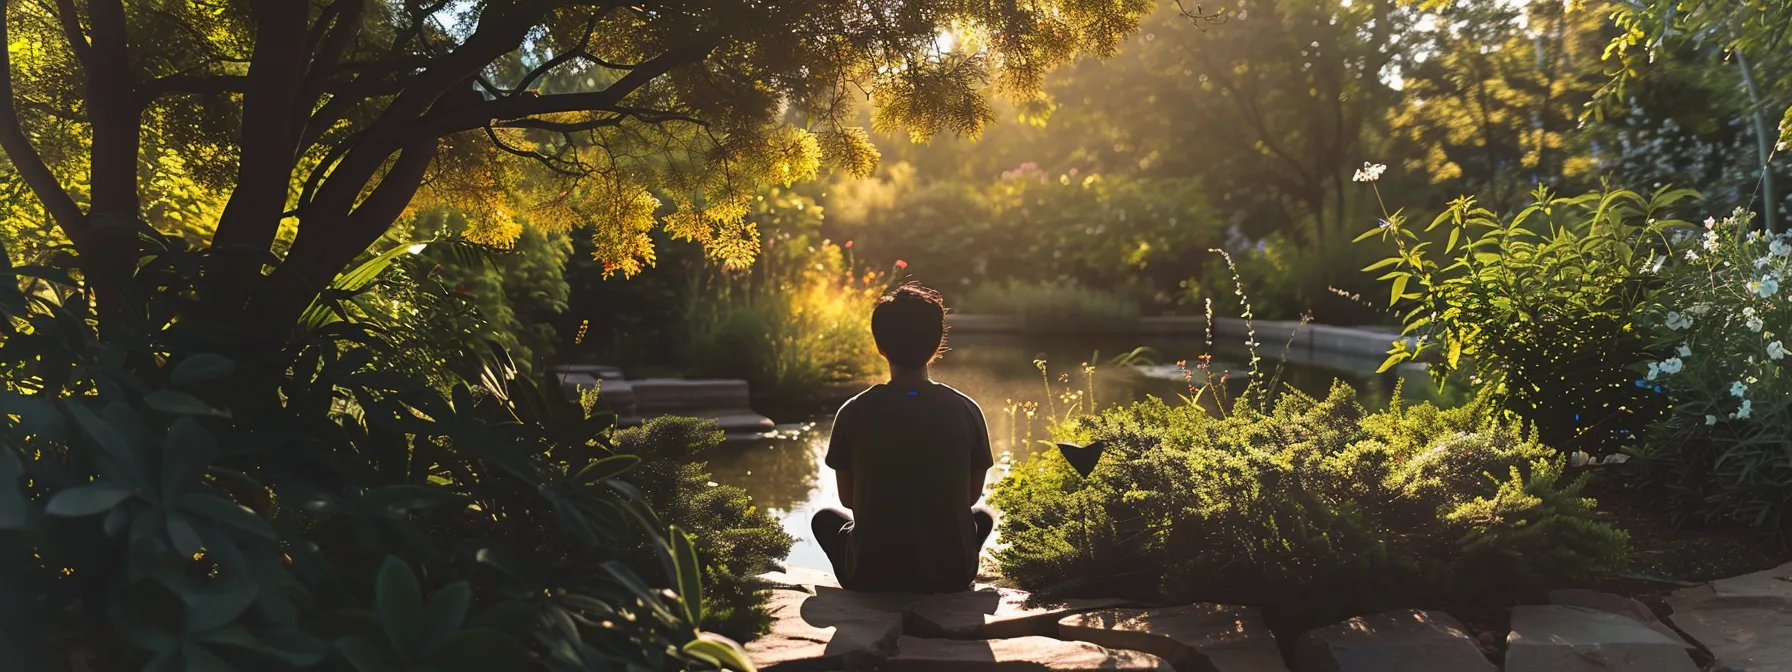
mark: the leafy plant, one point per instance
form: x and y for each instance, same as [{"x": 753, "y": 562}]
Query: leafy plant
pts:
[
  {"x": 1721, "y": 326},
  {"x": 1543, "y": 308},
  {"x": 1315, "y": 508},
  {"x": 160, "y": 510},
  {"x": 1056, "y": 307}
]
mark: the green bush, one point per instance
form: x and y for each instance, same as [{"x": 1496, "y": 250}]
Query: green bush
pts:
[
  {"x": 1722, "y": 322},
  {"x": 736, "y": 540},
  {"x": 1315, "y": 506},
  {"x": 1543, "y": 308},
  {"x": 1055, "y": 307}
]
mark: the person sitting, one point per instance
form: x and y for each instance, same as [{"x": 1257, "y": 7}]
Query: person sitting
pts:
[{"x": 909, "y": 458}]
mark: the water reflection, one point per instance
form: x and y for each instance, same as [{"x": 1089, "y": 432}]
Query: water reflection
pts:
[{"x": 785, "y": 475}]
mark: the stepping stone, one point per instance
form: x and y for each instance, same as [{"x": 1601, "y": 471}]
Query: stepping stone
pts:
[
  {"x": 1613, "y": 604},
  {"x": 654, "y": 396},
  {"x": 1403, "y": 640},
  {"x": 1561, "y": 638},
  {"x": 1745, "y": 622},
  {"x": 993, "y": 613},
  {"x": 1029, "y": 654},
  {"x": 1194, "y": 638},
  {"x": 799, "y": 578},
  {"x": 826, "y": 628}
]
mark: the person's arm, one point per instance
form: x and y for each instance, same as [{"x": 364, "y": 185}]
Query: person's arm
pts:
[
  {"x": 839, "y": 455},
  {"x": 981, "y": 459}
]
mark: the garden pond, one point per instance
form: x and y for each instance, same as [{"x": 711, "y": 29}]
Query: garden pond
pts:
[{"x": 785, "y": 475}]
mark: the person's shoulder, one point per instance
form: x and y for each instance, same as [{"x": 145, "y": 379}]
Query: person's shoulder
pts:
[
  {"x": 961, "y": 397},
  {"x": 860, "y": 400}
]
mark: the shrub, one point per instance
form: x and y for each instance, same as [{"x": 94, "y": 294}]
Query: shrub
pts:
[
  {"x": 735, "y": 540},
  {"x": 1722, "y": 326},
  {"x": 1055, "y": 307},
  {"x": 165, "y": 506},
  {"x": 1543, "y": 308},
  {"x": 1314, "y": 506}
]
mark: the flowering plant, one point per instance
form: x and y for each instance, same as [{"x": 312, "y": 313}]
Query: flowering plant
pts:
[{"x": 1723, "y": 322}]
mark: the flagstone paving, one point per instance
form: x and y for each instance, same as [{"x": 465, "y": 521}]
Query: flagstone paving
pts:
[{"x": 1744, "y": 622}]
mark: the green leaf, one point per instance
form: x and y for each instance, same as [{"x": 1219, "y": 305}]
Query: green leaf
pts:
[
  {"x": 688, "y": 572},
  {"x": 720, "y": 651},
  {"x": 1398, "y": 289},
  {"x": 187, "y": 451},
  {"x": 1455, "y": 352},
  {"x": 13, "y": 509},
  {"x": 224, "y": 511},
  {"x": 183, "y": 536},
  {"x": 203, "y": 367},
  {"x": 1371, "y": 268},
  {"x": 606, "y": 469},
  {"x": 86, "y": 500},
  {"x": 37, "y": 417},
  {"x": 447, "y": 612},
  {"x": 218, "y": 604},
  {"x": 480, "y": 650},
  {"x": 180, "y": 403},
  {"x": 361, "y": 654},
  {"x": 110, "y": 443},
  {"x": 399, "y": 603}
]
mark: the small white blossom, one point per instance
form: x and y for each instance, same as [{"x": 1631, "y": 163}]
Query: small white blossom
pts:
[
  {"x": 1710, "y": 222},
  {"x": 1672, "y": 365},
  {"x": 1765, "y": 287},
  {"x": 1692, "y": 255},
  {"x": 1748, "y": 407},
  {"x": 1738, "y": 389},
  {"x": 1678, "y": 322},
  {"x": 1776, "y": 350},
  {"x": 1710, "y": 241},
  {"x": 1710, "y": 419},
  {"x": 1755, "y": 324},
  {"x": 1370, "y": 172},
  {"x": 1654, "y": 370},
  {"x": 1684, "y": 350},
  {"x": 1779, "y": 248}
]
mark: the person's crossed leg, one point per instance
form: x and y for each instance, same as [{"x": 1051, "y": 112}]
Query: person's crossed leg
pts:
[{"x": 832, "y": 527}]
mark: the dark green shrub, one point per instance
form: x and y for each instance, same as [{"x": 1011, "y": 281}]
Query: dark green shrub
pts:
[
  {"x": 735, "y": 540},
  {"x": 166, "y": 507},
  {"x": 1314, "y": 505}
]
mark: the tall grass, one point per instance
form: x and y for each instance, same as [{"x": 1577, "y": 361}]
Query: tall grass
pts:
[
  {"x": 797, "y": 321},
  {"x": 1055, "y": 307}
]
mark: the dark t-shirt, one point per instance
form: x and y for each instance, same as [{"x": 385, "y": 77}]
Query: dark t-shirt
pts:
[{"x": 913, "y": 454}]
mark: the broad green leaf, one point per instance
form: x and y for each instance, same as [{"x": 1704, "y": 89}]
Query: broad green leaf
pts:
[
  {"x": 446, "y": 613},
  {"x": 399, "y": 603},
  {"x": 86, "y": 500},
  {"x": 37, "y": 417},
  {"x": 218, "y": 604},
  {"x": 182, "y": 535},
  {"x": 202, "y": 367},
  {"x": 1398, "y": 289},
  {"x": 186, "y": 453},
  {"x": 224, "y": 511},
  {"x": 688, "y": 573},
  {"x": 107, "y": 438},
  {"x": 607, "y": 468},
  {"x": 720, "y": 651},
  {"x": 180, "y": 403}
]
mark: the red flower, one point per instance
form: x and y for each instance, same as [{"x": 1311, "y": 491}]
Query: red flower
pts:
[
  {"x": 848, "y": 245},
  {"x": 901, "y": 264}
]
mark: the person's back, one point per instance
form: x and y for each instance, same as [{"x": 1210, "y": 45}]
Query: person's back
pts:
[{"x": 910, "y": 457}]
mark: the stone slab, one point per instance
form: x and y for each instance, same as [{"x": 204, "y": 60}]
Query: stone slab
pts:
[
  {"x": 1403, "y": 640},
  {"x": 828, "y": 629},
  {"x": 1745, "y": 621},
  {"x": 1563, "y": 638},
  {"x": 674, "y": 395},
  {"x": 799, "y": 578},
  {"x": 1194, "y": 638},
  {"x": 992, "y": 613},
  {"x": 1612, "y": 603},
  {"x": 1028, "y": 654}
]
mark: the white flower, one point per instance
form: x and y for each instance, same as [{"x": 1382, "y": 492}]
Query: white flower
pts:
[
  {"x": 1710, "y": 222},
  {"x": 1710, "y": 241},
  {"x": 1779, "y": 248},
  {"x": 1738, "y": 389},
  {"x": 1684, "y": 350},
  {"x": 1710, "y": 419},
  {"x": 1776, "y": 350},
  {"x": 1654, "y": 370},
  {"x": 1678, "y": 322},
  {"x": 1747, "y": 408},
  {"x": 1766, "y": 287},
  {"x": 1754, "y": 324},
  {"x": 1672, "y": 365},
  {"x": 1370, "y": 172},
  {"x": 1692, "y": 255},
  {"x": 1578, "y": 459}
]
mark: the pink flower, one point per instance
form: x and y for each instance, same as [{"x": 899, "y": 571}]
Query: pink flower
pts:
[
  {"x": 901, "y": 264},
  {"x": 848, "y": 245}
]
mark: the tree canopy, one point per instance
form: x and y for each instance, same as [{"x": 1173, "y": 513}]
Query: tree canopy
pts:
[{"x": 293, "y": 135}]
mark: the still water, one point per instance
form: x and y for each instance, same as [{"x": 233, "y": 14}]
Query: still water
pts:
[{"x": 786, "y": 477}]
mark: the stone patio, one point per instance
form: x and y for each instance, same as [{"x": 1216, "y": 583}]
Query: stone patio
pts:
[{"x": 1745, "y": 623}]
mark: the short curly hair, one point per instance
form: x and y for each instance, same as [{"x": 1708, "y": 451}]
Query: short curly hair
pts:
[{"x": 909, "y": 325}]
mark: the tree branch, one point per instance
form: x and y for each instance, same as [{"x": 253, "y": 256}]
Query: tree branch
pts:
[
  {"x": 27, "y": 161},
  {"x": 113, "y": 111},
  {"x": 345, "y": 23},
  {"x": 71, "y": 28}
]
